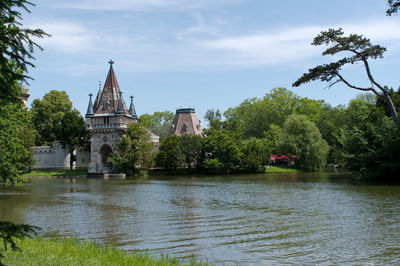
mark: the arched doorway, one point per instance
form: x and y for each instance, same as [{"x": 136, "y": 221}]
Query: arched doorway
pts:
[{"x": 105, "y": 152}]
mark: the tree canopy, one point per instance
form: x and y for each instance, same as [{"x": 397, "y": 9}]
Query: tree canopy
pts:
[
  {"x": 16, "y": 47},
  {"x": 254, "y": 116},
  {"x": 394, "y": 6},
  {"x": 159, "y": 122},
  {"x": 16, "y": 138},
  {"x": 302, "y": 138},
  {"x": 134, "y": 150},
  {"x": 360, "y": 50},
  {"x": 47, "y": 114}
]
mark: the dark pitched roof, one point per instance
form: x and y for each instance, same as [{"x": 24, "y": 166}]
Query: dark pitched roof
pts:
[{"x": 107, "y": 102}]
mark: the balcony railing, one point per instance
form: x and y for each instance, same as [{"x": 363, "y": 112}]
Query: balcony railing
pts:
[{"x": 107, "y": 126}]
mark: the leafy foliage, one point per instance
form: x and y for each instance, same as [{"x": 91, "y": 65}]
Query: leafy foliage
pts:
[
  {"x": 302, "y": 138},
  {"x": 222, "y": 148},
  {"x": 16, "y": 47},
  {"x": 170, "y": 155},
  {"x": 395, "y": 96},
  {"x": 134, "y": 150},
  {"x": 10, "y": 231},
  {"x": 47, "y": 115},
  {"x": 191, "y": 147},
  {"x": 73, "y": 132},
  {"x": 180, "y": 151},
  {"x": 394, "y": 6},
  {"x": 254, "y": 117},
  {"x": 16, "y": 138},
  {"x": 371, "y": 143},
  {"x": 158, "y": 123},
  {"x": 255, "y": 153},
  {"x": 332, "y": 128},
  {"x": 55, "y": 119},
  {"x": 360, "y": 50}
]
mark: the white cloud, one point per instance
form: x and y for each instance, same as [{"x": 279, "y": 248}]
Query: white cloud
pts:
[
  {"x": 291, "y": 44},
  {"x": 203, "y": 45},
  {"x": 66, "y": 37},
  {"x": 143, "y": 5}
]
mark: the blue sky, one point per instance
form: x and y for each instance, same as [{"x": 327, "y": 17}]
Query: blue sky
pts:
[{"x": 201, "y": 53}]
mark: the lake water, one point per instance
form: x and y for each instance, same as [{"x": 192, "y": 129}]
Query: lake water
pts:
[{"x": 248, "y": 219}]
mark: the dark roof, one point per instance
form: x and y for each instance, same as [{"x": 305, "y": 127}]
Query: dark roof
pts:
[
  {"x": 185, "y": 110},
  {"x": 107, "y": 100}
]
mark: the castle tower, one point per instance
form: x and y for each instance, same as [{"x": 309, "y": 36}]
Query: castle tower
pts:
[
  {"x": 106, "y": 122},
  {"x": 185, "y": 122}
]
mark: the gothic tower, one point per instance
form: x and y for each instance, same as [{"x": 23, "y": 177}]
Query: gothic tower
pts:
[{"x": 106, "y": 121}]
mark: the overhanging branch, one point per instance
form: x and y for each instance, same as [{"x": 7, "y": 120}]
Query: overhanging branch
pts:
[{"x": 355, "y": 87}]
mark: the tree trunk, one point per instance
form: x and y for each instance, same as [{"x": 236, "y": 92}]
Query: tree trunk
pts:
[
  {"x": 71, "y": 159},
  {"x": 391, "y": 107}
]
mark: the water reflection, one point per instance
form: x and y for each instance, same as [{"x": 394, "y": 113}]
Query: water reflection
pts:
[{"x": 286, "y": 218}]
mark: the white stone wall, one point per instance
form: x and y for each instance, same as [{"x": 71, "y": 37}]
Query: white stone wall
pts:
[
  {"x": 82, "y": 159},
  {"x": 56, "y": 157},
  {"x": 50, "y": 157}
]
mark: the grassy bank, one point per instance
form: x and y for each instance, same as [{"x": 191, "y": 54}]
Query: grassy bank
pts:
[
  {"x": 56, "y": 173},
  {"x": 280, "y": 169},
  {"x": 39, "y": 251}
]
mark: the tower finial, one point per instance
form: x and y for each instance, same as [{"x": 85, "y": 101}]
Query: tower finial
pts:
[
  {"x": 90, "y": 110},
  {"x": 132, "y": 110},
  {"x": 111, "y": 62},
  {"x": 120, "y": 109}
]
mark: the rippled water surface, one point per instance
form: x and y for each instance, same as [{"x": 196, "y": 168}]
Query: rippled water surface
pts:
[{"x": 249, "y": 219}]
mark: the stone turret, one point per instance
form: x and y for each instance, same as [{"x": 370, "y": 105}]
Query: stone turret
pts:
[
  {"x": 106, "y": 122},
  {"x": 186, "y": 122}
]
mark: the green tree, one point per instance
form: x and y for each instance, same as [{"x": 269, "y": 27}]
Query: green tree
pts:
[
  {"x": 272, "y": 136},
  {"x": 170, "y": 155},
  {"x": 394, "y": 6},
  {"x": 73, "y": 132},
  {"x": 158, "y": 122},
  {"x": 55, "y": 119},
  {"x": 191, "y": 147},
  {"x": 255, "y": 153},
  {"x": 332, "y": 125},
  {"x": 253, "y": 117},
  {"x": 16, "y": 137},
  {"x": 16, "y": 47},
  {"x": 361, "y": 50},
  {"x": 371, "y": 143},
  {"x": 302, "y": 138},
  {"x": 133, "y": 151},
  {"x": 395, "y": 96},
  {"x": 214, "y": 118},
  {"x": 222, "y": 149},
  {"x": 47, "y": 115}
]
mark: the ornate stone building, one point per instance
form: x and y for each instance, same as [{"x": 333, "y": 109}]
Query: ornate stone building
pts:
[
  {"x": 106, "y": 121},
  {"x": 186, "y": 122}
]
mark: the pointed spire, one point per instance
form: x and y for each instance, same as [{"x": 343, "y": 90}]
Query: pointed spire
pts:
[
  {"x": 111, "y": 81},
  {"x": 120, "y": 108},
  {"x": 132, "y": 110},
  {"x": 90, "y": 110},
  {"x": 110, "y": 101},
  {"x": 96, "y": 101}
]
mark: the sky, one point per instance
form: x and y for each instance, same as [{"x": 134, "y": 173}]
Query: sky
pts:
[{"x": 205, "y": 54}]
